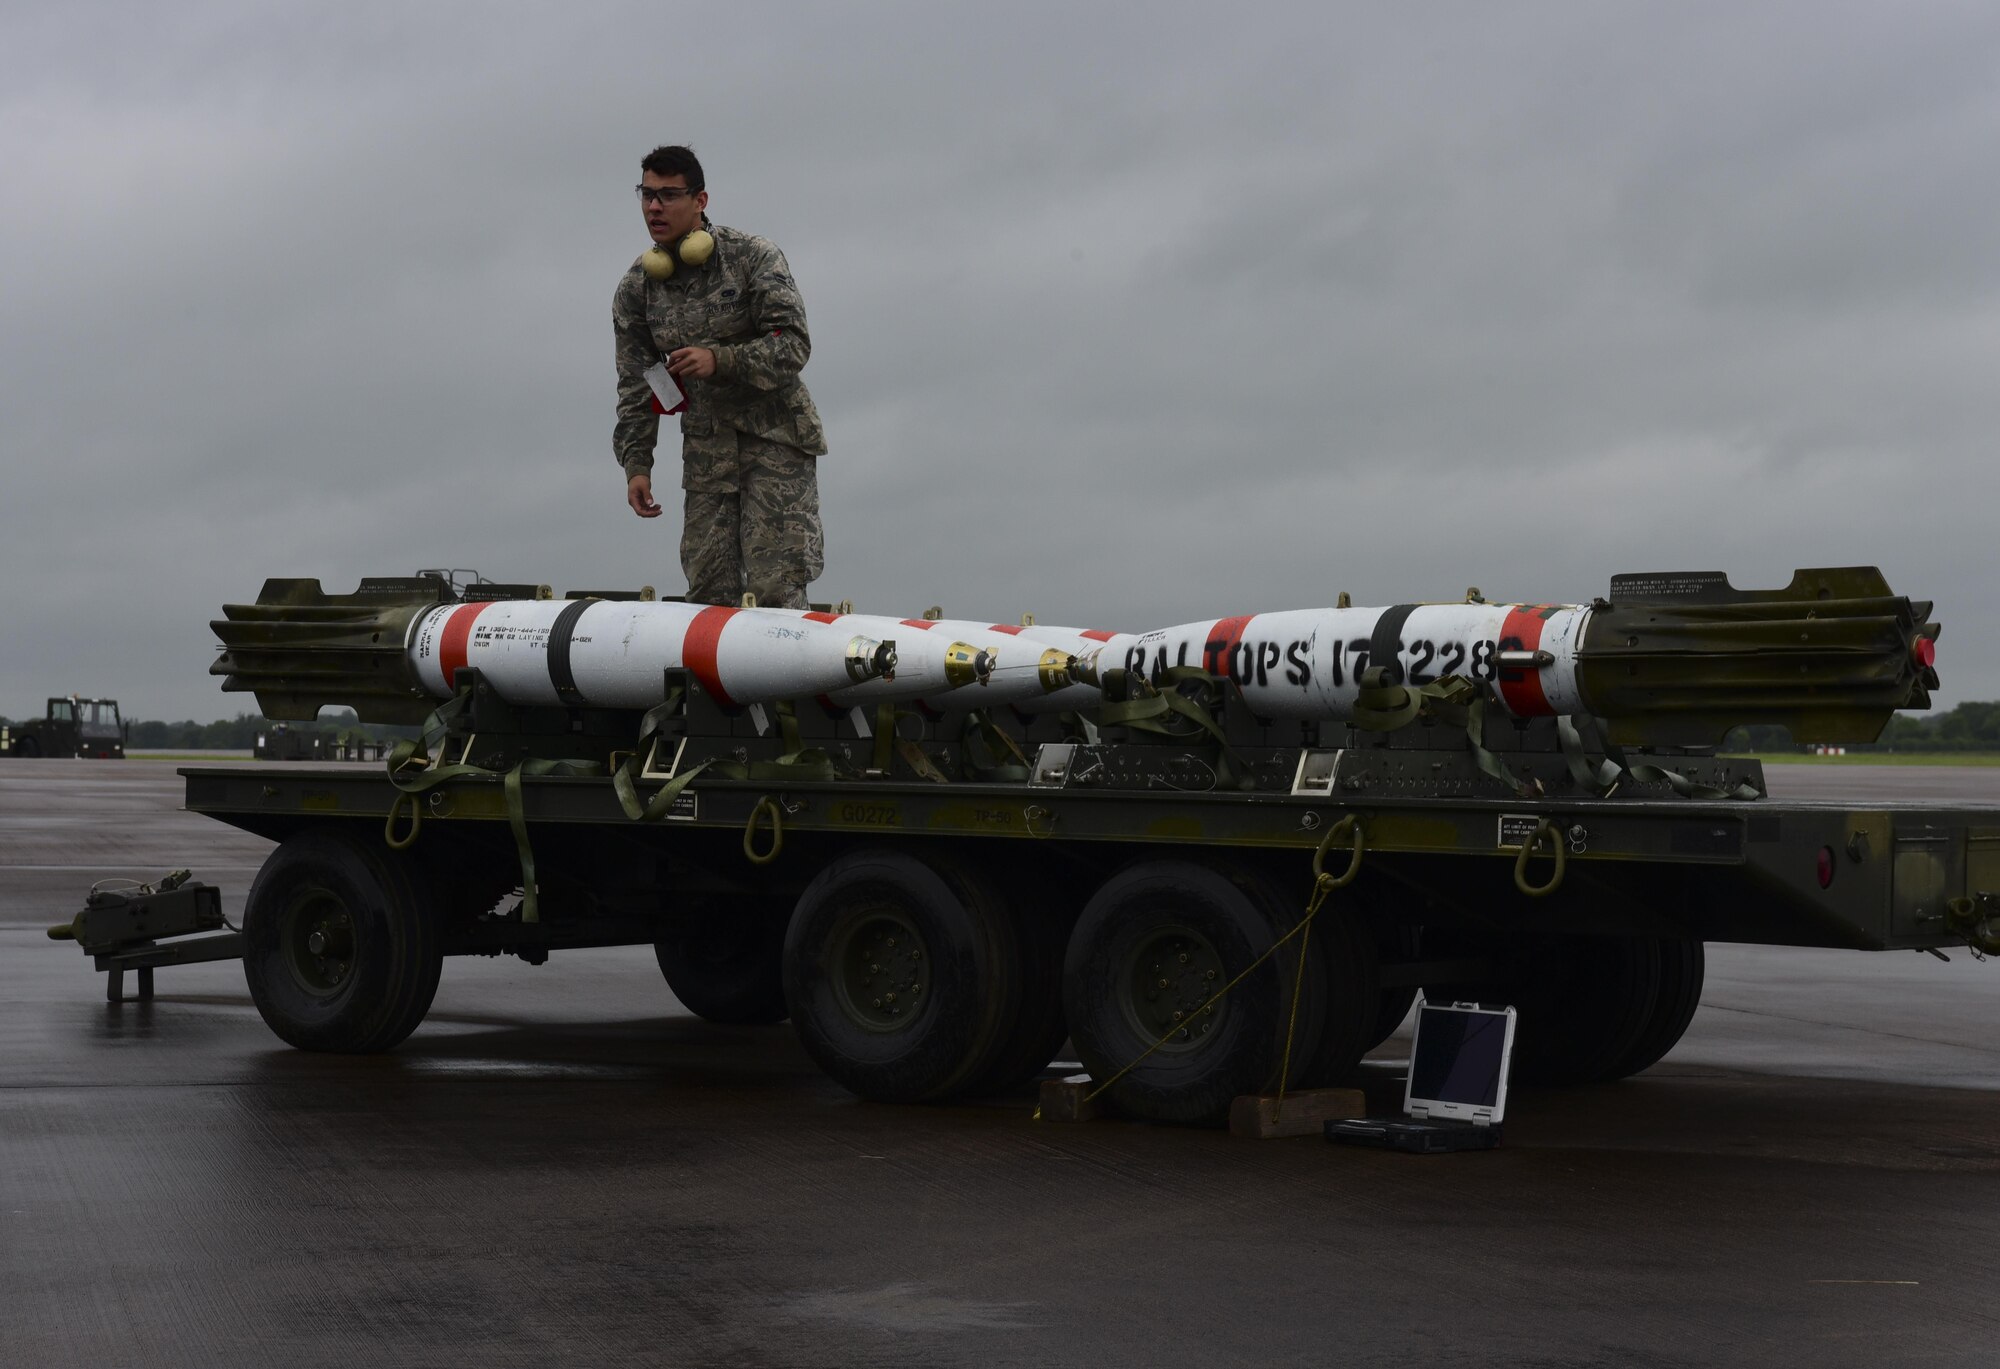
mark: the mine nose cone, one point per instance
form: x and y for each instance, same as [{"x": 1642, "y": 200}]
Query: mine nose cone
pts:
[{"x": 1924, "y": 652}]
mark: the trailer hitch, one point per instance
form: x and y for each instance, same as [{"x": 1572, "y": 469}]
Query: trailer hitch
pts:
[{"x": 120, "y": 928}]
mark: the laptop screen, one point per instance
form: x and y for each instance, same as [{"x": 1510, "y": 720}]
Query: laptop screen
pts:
[{"x": 1459, "y": 1060}]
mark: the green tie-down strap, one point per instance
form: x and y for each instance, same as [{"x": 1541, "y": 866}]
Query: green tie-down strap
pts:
[
  {"x": 1004, "y": 761},
  {"x": 1583, "y": 731},
  {"x": 1149, "y": 705},
  {"x": 517, "y": 819},
  {"x": 1599, "y": 776},
  {"x": 1150, "y": 711},
  {"x": 1383, "y": 707},
  {"x": 885, "y": 736},
  {"x": 625, "y": 779},
  {"x": 920, "y": 764},
  {"x": 1142, "y": 714},
  {"x": 804, "y": 764},
  {"x": 1475, "y": 738},
  {"x": 889, "y": 745},
  {"x": 810, "y": 766},
  {"x": 799, "y": 762},
  {"x": 412, "y": 773}
]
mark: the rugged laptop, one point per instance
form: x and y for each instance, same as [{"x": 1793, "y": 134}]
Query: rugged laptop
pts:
[{"x": 1457, "y": 1089}]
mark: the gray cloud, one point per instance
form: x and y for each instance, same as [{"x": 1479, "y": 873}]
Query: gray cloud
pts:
[{"x": 1122, "y": 316}]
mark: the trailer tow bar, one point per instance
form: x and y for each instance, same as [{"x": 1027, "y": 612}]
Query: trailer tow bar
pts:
[{"x": 121, "y": 928}]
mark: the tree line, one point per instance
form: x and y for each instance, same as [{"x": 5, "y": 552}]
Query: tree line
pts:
[
  {"x": 1968, "y": 727},
  {"x": 240, "y": 733}
]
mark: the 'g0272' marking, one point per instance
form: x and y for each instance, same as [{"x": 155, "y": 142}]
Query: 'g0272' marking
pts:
[{"x": 868, "y": 814}]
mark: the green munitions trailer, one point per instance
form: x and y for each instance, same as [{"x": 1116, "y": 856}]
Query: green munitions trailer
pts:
[{"x": 937, "y": 901}]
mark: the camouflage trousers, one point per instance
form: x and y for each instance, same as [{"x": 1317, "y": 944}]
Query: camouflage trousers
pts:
[{"x": 751, "y": 520}]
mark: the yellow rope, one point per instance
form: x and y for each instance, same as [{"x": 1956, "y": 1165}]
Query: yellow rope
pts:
[
  {"x": 1292, "y": 1026},
  {"x": 1323, "y": 884}
]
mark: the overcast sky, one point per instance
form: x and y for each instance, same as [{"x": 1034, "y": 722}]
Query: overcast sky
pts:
[{"x": 1120, "y": 315}]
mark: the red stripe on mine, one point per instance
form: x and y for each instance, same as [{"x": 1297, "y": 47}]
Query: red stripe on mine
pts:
[
  {"x": 1003, "y": 627},
  {"x": 452, "y": 642},
  {"x": 698, "y": 650},
  {"x": 924, "y": 624},
  {"x": 1223, "y": 639},
  {"x": 823, "y": 617},
  {"x": 1521, "y": 690},
  {"x": 1097, "y": 634}
]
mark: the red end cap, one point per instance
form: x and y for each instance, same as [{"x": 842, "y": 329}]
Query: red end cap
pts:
[{"x": 1924, "y": 652}]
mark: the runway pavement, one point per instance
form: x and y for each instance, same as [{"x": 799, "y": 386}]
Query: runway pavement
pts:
[{"x": 562, "y": 1166}]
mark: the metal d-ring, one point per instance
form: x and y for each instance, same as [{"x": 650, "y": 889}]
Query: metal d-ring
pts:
[
  {"x": 1352, "y": 824},
  {"x": 1033, "y": 814},
  {"x": 767, "y": 804},
  {"x": 408, "y": 839},
  {"x": 1544, "y": 828}
]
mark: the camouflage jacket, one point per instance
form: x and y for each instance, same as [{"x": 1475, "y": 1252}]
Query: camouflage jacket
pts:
[{"x": 743, "y": 305}]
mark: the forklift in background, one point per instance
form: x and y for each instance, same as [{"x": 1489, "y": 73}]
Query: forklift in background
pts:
[{"x": 71, "y": 727}]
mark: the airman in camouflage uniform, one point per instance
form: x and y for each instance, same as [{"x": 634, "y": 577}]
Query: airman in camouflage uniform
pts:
[{"x": 732, "y": 331}]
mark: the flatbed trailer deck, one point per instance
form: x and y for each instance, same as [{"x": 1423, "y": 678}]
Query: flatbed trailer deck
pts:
[
  {"x": 1091, "y": 898},
  {"x": 1894, "y": 865}
]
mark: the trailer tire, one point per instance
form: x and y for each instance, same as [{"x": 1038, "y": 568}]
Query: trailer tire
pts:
[
  {"x": 1340, "y": 995},
  {"x": 1683, "y": 964},
  {"x": 1349, "y": 979},
  {"x": 1196, "y": 928},
  {"x": 733, "y": 973},
  {"x": 877, "y": 931},
  {"x": 1584, "y": 1003},
  {"x": 1038, "y": 1027},
  {"x": 26, "y": 748},
  {"x": 342, "y": 947}
]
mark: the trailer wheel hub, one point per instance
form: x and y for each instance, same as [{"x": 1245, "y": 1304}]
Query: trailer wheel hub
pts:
[
  {"x": 881, "y": 968},
  {"x": 1169, "y": 976},
  {"x": 318, "y": 941}
]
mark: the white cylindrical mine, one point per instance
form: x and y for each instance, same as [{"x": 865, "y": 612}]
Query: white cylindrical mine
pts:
[
  {"x": 1307, "y": 663},
  {"x": 945, "y": 665},
  {"x": 611, "y": 653}
]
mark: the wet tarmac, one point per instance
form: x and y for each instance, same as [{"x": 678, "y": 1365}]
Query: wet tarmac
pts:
[{"x": 562, "y": 1166}]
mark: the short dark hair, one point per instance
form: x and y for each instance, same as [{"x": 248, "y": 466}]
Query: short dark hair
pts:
[{"x": 675, "y": 160}]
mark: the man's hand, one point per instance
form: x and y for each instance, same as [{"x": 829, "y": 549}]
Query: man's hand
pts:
[
  {"x": 639, "y": 494},
  {"x": 698, "y": 362}
]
